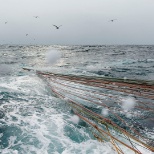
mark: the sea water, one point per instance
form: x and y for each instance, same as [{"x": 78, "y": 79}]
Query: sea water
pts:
[{"x": 33, "y": 120}]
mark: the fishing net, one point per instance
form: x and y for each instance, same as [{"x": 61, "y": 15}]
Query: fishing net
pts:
[{"x": 120, "y": 111}]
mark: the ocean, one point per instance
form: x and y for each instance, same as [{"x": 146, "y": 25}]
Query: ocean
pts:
[{"x": 33, "y": 120}]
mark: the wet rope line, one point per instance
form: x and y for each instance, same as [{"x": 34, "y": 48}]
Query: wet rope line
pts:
[
  {"x": 80, "y": 91},
  {"x": 128, "y": 86},
  {"x": 102, "y": 94},
  {"x": 104, "y": 105},
  {"x": 104, "y": 121},
  {"x": 145, "y": 103}
]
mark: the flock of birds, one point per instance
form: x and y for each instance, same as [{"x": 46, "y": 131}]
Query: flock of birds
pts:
[{"x": 57, "y": 27}]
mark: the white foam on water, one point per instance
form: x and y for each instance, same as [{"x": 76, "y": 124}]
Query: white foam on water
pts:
[
  {"x": 24, "y": 84},
  {"x": 48, "y": 129},
  {"x": 143, "y": 150},
  {"x": 150, "y": 60},
  {"x": 38, "y": 126},
  {"x": 9, "y": 151},
  {"x": 98, "y": 67},
  {"x": 89, "y": 147}
]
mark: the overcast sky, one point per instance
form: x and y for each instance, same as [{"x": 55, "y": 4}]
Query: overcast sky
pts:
[{"x": 83, "y": 21}]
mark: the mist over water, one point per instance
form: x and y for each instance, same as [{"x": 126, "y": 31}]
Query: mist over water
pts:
[{"x": 33, "y": 120}]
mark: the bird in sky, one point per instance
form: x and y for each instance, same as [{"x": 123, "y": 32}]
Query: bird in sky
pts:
[
  {"x": 26, "y": 34},
  {"x": 6, "y": 22},
  {"x": 57, "y": 27},
  {"x": 112, "y": 20},
  {"x": 36, "y": 16}
]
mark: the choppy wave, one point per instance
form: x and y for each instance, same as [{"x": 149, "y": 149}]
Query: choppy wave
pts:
[{"x": 33, "y": 120}]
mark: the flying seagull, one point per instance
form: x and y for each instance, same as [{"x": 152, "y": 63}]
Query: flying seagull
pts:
[
  {"x": 112, "y": 20},
  {"x": 57, "y": 27},
  {"x": 36, "y": 16}
]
